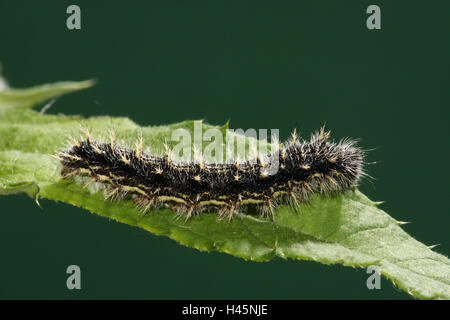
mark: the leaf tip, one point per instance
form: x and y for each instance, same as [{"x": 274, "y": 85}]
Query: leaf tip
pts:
[{"x": 227, "y": 124}]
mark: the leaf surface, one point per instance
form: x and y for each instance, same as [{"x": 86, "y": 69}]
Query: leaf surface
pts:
[{"x": 348, "y": 228}]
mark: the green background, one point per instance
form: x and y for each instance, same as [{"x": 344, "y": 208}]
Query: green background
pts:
[{"x": 262, "y": 64}]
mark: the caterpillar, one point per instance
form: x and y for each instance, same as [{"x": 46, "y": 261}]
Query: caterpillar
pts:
[{"x": 304, "y": 168}]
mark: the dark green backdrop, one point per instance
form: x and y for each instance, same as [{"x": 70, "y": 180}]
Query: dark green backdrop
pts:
[{"x": 264, "y": 64}]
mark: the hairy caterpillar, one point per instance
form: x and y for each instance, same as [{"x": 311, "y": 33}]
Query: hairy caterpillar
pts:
[{"x": 305, "y": 168}]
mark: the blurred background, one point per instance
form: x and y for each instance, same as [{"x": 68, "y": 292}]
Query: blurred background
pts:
[{"x": 262, "y": 64}]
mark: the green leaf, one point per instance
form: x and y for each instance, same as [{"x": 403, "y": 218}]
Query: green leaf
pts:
[
  {"x": 25, "y": 98},
  {"x": 348, "y": 228}
]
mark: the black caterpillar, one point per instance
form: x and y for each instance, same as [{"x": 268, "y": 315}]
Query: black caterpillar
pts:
[{"x": 305, "y": 168}]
